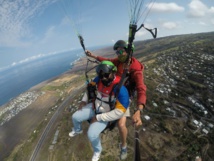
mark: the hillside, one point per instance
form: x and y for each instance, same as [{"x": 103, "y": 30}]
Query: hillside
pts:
[{"x": 180, "y": 104}]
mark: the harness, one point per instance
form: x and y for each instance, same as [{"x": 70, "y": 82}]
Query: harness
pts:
[
  {"x": 128, "y": 80},
  {"x": 110, "y": 102},
  {"x": 92, "y": 91},
  {"x": 108, "y": 91}
]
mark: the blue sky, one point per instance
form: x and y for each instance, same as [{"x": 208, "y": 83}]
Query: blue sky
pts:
[{"x": 29, "y": 29}]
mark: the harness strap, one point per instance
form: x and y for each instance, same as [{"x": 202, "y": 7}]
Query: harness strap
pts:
[
  {"x": 107, "y": 102},
  {"x": 112, "y": 102}
]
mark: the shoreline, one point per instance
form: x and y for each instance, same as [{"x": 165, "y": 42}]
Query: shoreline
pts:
[
  {"x": 24, "y": 113},
  {"x": 21, "y": 126},
  {"x": 7, "y": 109},
  {"x": 78, "y": 66}
]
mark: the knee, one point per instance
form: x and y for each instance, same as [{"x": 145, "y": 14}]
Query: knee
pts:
[
  {"x": 74, "y": 116},
  {"x": 92, "y": 136},
  {"x": 121, "y": 124}
]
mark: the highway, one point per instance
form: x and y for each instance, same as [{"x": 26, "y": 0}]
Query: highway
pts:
[{"x": 52, "y": 121}]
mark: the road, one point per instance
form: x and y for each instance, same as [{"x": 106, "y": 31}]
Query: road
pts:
[{"x": 52, "y": 121}]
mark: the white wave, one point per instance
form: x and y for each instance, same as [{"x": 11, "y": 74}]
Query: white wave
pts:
[{"x": 33, "y": 58}]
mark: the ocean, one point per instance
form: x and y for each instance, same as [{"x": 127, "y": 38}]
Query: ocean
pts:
[{"x": 20, "y": 77}]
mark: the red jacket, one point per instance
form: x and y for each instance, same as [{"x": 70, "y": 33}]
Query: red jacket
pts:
[{"x": 136, "y": 76}]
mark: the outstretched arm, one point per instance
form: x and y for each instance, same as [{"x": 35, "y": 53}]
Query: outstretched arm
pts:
[
  {"x": 100, "y": 58},
  {"x": 90, "y": 54}
]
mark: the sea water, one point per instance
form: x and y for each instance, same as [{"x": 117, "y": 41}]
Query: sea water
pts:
[{"x": 20, "y": 77}]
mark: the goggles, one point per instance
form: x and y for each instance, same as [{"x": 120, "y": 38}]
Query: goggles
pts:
[
  {"x": 120, "y": 52},
  {"x": 103, "y": 75}
]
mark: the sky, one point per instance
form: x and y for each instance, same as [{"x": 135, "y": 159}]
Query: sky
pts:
[{"x": 31, "y": 29}]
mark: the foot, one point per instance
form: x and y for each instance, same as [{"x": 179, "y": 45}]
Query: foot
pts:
[
  {"x": 123, "y": 153},
  {"x": 74, "y": 133},
  {"x": 96, "y": 156}
]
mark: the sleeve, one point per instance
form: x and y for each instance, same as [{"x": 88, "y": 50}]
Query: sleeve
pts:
[
  {"x": 137, "y": 76},
  {"x": 121, "y": 106},
  {"x": 96, "y": 79}
]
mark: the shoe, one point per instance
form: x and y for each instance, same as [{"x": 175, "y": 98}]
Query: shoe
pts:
[
  {"x": 96, "y": 156},
  {"x": 74, "y": 133},
  {"x": 123, "y": 153}
]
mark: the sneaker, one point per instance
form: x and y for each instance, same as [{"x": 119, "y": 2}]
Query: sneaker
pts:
[
  {"x": 123, "y": 153},
  {"x": 96, "y": 156},
  {"x": 74, "y": 133}
]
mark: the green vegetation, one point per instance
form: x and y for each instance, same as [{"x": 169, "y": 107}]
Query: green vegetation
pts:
[
  {"x": 52, "y": 88},
  {"x": 196, "y": 84}
]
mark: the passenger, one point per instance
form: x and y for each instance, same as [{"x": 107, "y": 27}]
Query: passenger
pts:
[{"x": 100, "y": 112}]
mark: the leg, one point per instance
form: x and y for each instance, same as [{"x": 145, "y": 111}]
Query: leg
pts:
[
  {"x": 82, "y": 115},
  {"x": 123, "y": 135},
  {"x": 122, "y": 130},
  {"x": 94, "y": 134}
]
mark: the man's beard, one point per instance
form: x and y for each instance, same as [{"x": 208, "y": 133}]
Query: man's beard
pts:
[{"x": 122, "y": 58}]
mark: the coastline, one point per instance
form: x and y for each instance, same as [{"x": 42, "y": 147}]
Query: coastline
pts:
[
  {"x": 10, "y": 109},
  {"x": 78, "y": 66},
  {"x": 25, "y": 122},
  {"x": 23, "y": 114}
]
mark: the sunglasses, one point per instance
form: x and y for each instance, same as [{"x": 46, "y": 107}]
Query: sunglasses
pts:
[
  {"x": 104, "y": 75},
  {"x": 120, "y": 52}
]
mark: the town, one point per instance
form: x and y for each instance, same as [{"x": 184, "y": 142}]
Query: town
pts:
[
  {"x": 184, "y": 82},
  {"x": 17, "y": 104}
]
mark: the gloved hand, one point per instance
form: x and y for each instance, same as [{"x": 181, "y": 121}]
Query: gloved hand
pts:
[
  {"x": 88, "y": 53},
  {"x": 82, "y": 104},
  {"x": 91, "y": 88}
]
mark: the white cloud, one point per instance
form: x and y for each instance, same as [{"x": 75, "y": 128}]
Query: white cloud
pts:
[
  {"x": 201, "y": 13},
  {"x": 170, "y": 25},
  {"x": 202, "y": 23},
  {"x": 141, "y": 33},
  {"x": 211, "y": 10},
  {"x": 165, "y": 7},
  {"x": 15, "y": 18},
  {"x": 48, "y": 35},
  {"x": 197, "y": 9},
  {"x": 212, "y": 21}
]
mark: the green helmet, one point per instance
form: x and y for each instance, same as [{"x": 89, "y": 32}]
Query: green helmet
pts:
[
  {"x": 106, "y": 67},
  {"x": 122, "y": 44}
]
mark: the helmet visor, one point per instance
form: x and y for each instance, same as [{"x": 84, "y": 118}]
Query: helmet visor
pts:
[{"x": 103, "y": 68}]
